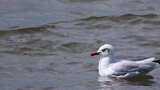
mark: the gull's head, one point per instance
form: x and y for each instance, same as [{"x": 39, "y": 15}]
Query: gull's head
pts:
[{"x": 104, "y": 50}]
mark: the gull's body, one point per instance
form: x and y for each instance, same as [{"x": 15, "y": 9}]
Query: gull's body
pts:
[{"x": 109, "y": 66}]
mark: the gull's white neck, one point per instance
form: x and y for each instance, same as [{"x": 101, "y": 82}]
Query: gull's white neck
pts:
[{"x": 104, "y": 63}]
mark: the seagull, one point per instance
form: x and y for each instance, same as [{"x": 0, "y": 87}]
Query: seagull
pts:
[{"x": 110, "y": 67}]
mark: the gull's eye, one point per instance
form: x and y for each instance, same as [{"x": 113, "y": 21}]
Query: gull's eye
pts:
[{"x": 103, "y": 50}]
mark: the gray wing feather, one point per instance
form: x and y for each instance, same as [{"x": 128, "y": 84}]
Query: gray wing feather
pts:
[{"x": 126, "y": 67}]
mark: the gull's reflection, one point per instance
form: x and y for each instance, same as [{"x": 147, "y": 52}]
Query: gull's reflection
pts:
[
  {"x": 106, "y": 83},
  {"x": 144, "y": 80}
]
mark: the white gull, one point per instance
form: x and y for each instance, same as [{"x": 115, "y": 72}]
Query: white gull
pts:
[{"x": 109, "y": 66}]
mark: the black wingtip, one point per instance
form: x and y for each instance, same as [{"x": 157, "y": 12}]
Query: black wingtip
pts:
[{"x": 157, "y": 61}]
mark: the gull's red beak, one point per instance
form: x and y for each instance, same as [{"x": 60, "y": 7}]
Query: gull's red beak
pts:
[{"x": 95, "y": 53}]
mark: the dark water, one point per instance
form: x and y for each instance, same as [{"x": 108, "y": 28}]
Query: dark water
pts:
[{"x": 45, "y": 44}]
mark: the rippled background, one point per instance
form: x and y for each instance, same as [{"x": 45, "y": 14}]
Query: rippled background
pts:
[{"x": 46, "y": 44}]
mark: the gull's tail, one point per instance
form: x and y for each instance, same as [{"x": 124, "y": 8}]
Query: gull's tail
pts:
[
  {"x": 149, "y": 60},
  {"x": 157, "y": 61}
]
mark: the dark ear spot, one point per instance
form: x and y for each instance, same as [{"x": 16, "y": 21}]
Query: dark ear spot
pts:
[{"x": 108, "y": 50}]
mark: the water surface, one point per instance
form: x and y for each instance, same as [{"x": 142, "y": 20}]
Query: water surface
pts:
[{"x": 46, "y": 45}]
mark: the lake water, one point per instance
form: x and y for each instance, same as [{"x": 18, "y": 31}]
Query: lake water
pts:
[{"x": 46, "y": 44}]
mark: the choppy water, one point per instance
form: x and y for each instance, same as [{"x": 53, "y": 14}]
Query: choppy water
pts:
[{"x": 45, "y": 44}]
